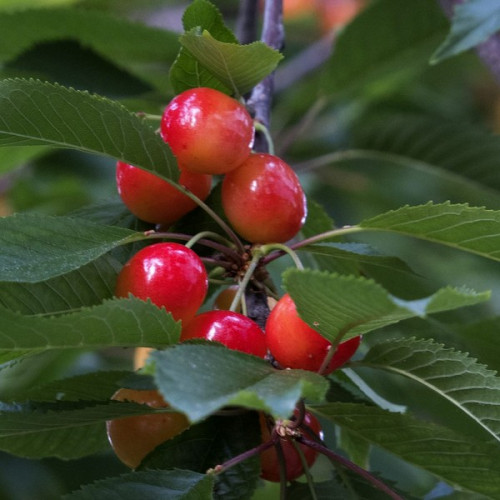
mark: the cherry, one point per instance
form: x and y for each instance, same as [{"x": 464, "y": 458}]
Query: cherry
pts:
[
  {"x": 294, "y": 344},
  {"x": 263, "y": 199},
  {"x": 334, "y": 14},
  {"x": 170, "y": 275},
  {"x": 269, "y": 459},
  {"x": 132, "y": 438},
  {"x": 208, "y": 131},
  {"x": 153, "y": 199},
  {"x": 232, "y": 329}
]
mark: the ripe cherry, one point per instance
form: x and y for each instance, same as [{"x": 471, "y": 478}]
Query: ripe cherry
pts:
[
  {"x": 132, "y": 438},
  {"x": 232, "y": 329},
  {"x": 170, "y": 275},
  {"x": 208, "y": 131},
  {"x": 269, "y": 459},
  {"x": 263, "y": 199},
  {"x": 294, "y": 344},
  {"x": 153, "y": 199}
]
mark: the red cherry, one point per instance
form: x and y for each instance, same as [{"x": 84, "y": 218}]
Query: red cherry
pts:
[
  {"x": 263, "y": 200},
  {"x": 132, "y": 438},
  {"x": 270, "y": 465},
  {"x": 208, "y": 131},
  {"x": 153, "y": 199},
  {"x": 170, "y": 275},
  {"x": 232, "y": 329},
  {"x": 294, "y": 344}
]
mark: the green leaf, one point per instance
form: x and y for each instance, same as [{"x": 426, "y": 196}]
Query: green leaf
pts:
[
  {"x": 86, "y": 387},
  {"x": 211, "y": 443},
  {"x": 63, "y": 430},
  {"x": 238, "y": 67},
  {"x": 454, "y": 376},
  {"x": 472, "y": 229},
  {"x": 87, "y": 286},
  {"x": 149, "y": 485},
  {"x": 186, "y": 72},
  {"x": 37, "y": 247},
  {"x": 114, "y": 38},
  {"x": 37, "y": 113},
  {"x": 469, "y": 465},
  {"x": 366, "y": 56},
  {"x": 119, "y": 322},
  {"x": 336, "y": 304},
  {"x": 200, "y": 379},
  {"x": 473, "y": 22}
]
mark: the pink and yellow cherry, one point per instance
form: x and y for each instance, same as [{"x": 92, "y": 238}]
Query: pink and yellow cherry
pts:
[
  {"x": 334, "y": 14},
  {"x": 132, "y": 438},
  {"x": 153, "y": 199},
  {"x": 208, "y": 131},
  {"x": 269, "y": 459},
  {"x": 170, "y": 275},
  {"x": 264, "y": 200},
  {"x": 234, "y": 330},
  {"x": 294, "y": 344}
]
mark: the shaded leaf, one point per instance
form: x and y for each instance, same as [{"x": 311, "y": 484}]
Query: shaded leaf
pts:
[
  {"x": 37, "y": 113},
  {"x": 335, "y": 304},
  {"x": 473, "y": 22},
  {"x": 211, "y": 443},
  {"x": 455, "y": 376},
  {"x": 13, "y": 157},
  {"x": 118, "y": 322},
  {"x": 200, "y": 379},
  {"x": 115, "y": 38},
  {"x": 469, "y": 465},
  {"x": 149, "y": 485},
  {"x": 37, "y": 247},
  {"x": 63, "y": 430},
  {"x": 415, "y": 30}
]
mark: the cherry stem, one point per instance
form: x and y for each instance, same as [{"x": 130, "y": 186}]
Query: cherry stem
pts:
[
  {"x": 334, "y": 233},
  {"x": 246, "y": 279},
  {"x": 266, "y": 249},
  {"x": 335, "y": 457},
  {"x": 204, "y": 235},
  {"x": 208, "y": 243},
  {"x": 222, "y": 224},
  {"x": 305, "y": 466},
  {"x": 260, "y": 127},
  {"x": 219, "y": 469}
]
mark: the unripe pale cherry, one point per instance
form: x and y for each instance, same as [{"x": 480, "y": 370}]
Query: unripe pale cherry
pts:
[
  {"x": 270, "y": 465},
  {"x": 132, "y": 438},
  {"x": 170, "y": 275},
  {"x": 234, "y": 330},
  {"x": 294, "y": 344},
  {"x": 153, "y": 199},
  {"x": 208, "y": 131},
  {"x": 264, "y": 200}
]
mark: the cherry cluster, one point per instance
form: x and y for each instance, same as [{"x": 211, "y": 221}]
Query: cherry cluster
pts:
[{"x": 212, "y": 134}]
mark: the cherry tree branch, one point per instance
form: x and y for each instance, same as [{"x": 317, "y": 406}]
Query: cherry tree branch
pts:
[
  {"x": 488, "y": 51},
  {"x": 260, "y": 100},
  {"x": 246, "y": 24}
]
